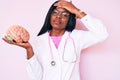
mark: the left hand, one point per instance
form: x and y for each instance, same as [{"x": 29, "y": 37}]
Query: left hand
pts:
[{"x": 68, "y": 6}]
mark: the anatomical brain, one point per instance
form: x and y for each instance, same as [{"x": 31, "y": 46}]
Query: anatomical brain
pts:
[{"x": 18, "y": 33}]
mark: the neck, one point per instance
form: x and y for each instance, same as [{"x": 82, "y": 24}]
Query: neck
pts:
[{"x": 56, "y": 32}]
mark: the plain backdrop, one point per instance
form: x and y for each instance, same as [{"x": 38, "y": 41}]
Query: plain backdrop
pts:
[{"x": 99, "y": 62}]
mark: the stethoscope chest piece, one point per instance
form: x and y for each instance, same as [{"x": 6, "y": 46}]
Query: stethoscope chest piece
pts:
[{"x": 53, "y": 63}]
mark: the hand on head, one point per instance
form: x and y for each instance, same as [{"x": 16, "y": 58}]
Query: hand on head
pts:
[{"x": 68, "y": 6}]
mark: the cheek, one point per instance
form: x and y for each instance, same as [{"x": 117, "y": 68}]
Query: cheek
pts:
[
  {"x": 51, "y": 20},
  {"x": 64, "y": 22}
]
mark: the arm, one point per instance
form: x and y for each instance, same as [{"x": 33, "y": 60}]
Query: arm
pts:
[
  {"x": 96, "y": 30},
  {"x": 96, "y": 33},
  {"x": 34, "y": 68},
  {"x": 71, "y": 8}
]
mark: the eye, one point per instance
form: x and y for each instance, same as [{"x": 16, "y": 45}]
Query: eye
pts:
[
  {"x": 55, "y": 12},
  {"x": 64, "y": 14}
]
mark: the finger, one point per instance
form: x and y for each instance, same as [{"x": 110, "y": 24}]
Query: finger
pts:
[
  {"x": 61, "y": 5},
  {"x": 64, "y": 4},
  {"x": 8, "y": 41}
]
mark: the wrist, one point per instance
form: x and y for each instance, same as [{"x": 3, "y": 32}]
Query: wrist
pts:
[
  {"x": 80, "y": 14},
  {"x": 30, "y": 52}
]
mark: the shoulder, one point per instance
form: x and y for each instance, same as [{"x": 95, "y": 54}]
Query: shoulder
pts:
[{"x": 42, "y": 35}]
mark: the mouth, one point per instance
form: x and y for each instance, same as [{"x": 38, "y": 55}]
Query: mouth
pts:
[{"x": 57, "y": 21}]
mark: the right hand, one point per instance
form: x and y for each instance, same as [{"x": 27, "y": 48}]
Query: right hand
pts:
[{"x": 25, "y": 45}]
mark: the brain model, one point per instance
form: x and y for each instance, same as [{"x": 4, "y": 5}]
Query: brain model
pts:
[{"x": 17, "y": 33}]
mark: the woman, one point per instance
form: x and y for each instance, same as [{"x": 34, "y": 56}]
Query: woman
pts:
[{"x": 55, "y": 53}]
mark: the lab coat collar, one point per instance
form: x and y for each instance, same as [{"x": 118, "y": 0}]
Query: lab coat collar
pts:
[{"x": 61, "y": 44}]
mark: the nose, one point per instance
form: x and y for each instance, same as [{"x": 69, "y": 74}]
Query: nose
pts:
[{"x": 59, "y": 15}]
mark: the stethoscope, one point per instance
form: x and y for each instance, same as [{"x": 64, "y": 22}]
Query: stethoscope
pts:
[{"x": 68, "y": 39}]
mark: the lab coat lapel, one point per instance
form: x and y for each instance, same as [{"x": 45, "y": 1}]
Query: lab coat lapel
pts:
[
  {"x": 67, "y": 48},
  {"x": 52, "y": 45},
  {"x": 69, "y": 56},
  {"x": 62, "y": 43}
]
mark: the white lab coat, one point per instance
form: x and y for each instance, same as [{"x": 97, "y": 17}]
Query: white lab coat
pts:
[{"x": 39, "y": 67}]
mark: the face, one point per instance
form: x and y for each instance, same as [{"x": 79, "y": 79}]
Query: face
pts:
[{"x": 59, "y": 19}]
